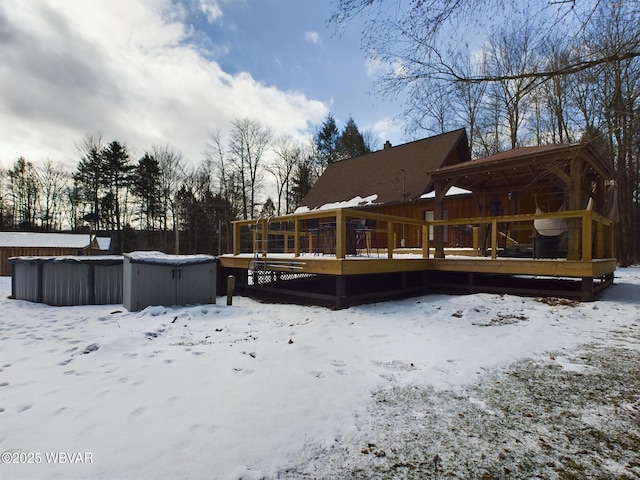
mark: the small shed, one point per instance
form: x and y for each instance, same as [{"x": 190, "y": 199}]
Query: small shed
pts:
[
  {"x": 155, "y": 278},
  {"x": 31, "y": 244},
  {"x": 67, "y": 280}
]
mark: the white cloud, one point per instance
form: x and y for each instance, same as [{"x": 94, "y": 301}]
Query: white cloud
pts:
[
  {"x": 388, "y": 129},
  {"x": 126, "y": 69},
  {"x": 374, "y": 68},
  {"x": 312, "y": 37},
  {"x": 211, "y": 9}
]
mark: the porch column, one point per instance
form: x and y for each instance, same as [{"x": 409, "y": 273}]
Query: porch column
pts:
[
  {"x": 236, "y": 238},
  {"x": 341, "y": 234},
  {"x": 296, "y": 236},
  {"x": 482, "y": 228},
  {"x": 438, "y": 231},
  {"x": 575, "y": 203}
]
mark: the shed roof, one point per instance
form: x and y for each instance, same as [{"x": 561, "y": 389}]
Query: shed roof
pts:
[
  {"x": 43, "y": 240},
  {"x": 394, "y": 174}
]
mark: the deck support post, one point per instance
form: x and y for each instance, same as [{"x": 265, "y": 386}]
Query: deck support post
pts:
[
  {"x": 341, "y": 290},
  {"x": 587, "y": 289},
  {"x": 426, "y": 281}
]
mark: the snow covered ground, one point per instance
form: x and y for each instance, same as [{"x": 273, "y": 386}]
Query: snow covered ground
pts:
[{"x": 477, "y": 386}]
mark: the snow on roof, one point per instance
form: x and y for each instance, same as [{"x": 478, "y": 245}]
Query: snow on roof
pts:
[
  {"x": 451, "y": 192},
  {"x": 354, "y": 202},
  {"x": 104, "y": 243},
  {"x": 96, "y": 259},
  {"x": 43, "y": 240},
  {"x": 161, "y": 258},
  {"x": 398, "y": 174}
]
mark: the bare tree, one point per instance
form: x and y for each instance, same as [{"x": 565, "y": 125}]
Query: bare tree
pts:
[
  {"x": 23, "y": 193},
  {"x": 619, "y": 85},
  {"x": 5, "y": 219},
  {"x": 510, "y": 52},
  {"x": 216, "y": 156},
  {"x": 249, "y": 139},
  {"x": 172, "y": 171},
  {"x": 54, "y": 179},
  {"x": 418, "y": 39},
  {"x": 288, "y": 155},
  {"x": 467, "y": 98},
  {"x": 556, "y": 105}
]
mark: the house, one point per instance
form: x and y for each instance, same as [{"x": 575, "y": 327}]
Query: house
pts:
[
  {"x": 31, "y": 244},
  {"x": 434, "y": 178},
  {"x": 418, "y": 216}
]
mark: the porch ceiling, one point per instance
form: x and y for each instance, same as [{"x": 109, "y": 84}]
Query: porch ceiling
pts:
[{"x": 522, "y": 168}]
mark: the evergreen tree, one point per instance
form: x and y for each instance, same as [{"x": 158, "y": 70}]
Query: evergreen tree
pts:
[
  {"x": 117, "y": 176},
  {"x": 326, "y": 140},
  {"x": 351, "y": 142},
  {"x": 88, "y": 175},
  {"x": 268, "y": 208},
  {"x": 146, "y": 186},
  {"x": 303, "y": 180}
]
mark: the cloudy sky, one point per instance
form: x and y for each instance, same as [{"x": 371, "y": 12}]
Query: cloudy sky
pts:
[{"x": 157, "y": 72}]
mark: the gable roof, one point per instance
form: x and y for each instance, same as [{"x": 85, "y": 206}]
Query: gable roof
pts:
[
  {"x": 522, "y": 167},
  {"x": 394, "y": 174},
  {"x": 43, "y": 240}
]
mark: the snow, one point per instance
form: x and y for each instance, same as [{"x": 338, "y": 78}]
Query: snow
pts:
[
  {"x": 356, "y": 201},
  {"x": 68, "y": 259},
  {"x": 451, "y": 192},
  {"x": 104, "y": 243},
  {"x": 161, "y": 258},
  {"x": 43, "y": 240},
  {"x": 253, "y": 390}
]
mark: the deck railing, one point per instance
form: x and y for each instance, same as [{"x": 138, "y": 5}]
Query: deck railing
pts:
[{"x": 589, "y": 234}]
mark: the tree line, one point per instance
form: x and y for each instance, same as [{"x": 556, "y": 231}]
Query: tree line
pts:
[{"x": 160, "y": 201}]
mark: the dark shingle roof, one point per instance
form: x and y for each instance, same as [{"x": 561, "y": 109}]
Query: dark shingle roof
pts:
[{"x": 396, "y": 174}]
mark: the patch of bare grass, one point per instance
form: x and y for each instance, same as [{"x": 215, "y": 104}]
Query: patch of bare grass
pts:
[
  {"x": 565, "y": 416},
  {"x": 558, "y": 302}
]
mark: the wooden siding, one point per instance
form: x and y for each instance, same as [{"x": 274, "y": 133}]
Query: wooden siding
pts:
[{"x": 469, "y": 206}]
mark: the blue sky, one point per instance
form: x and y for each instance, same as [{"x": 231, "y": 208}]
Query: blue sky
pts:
[{"x": 155, "y": 72}]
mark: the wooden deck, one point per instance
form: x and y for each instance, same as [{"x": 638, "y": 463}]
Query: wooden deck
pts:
[
  {"x": 281, "y": 250},
  {"x": 367, "y": 266}
]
